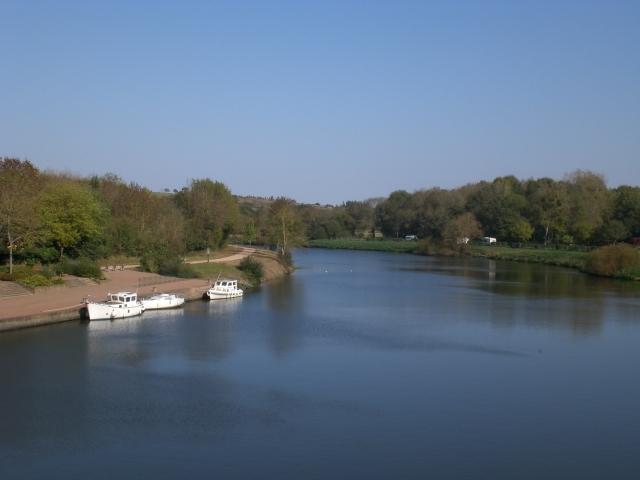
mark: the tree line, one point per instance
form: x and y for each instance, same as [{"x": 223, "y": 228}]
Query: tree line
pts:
[
  {"x": 577, "y": 210},
  {"x": 46, "y": 217}
]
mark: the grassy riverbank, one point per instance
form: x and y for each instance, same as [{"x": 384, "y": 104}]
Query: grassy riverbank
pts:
[
  {"x": 213, "y": 270},
  {"x": 546, "y": 256},
  {"x": 560, "y": 258},
  {"x": 397, "y": 246},
  {"x": 270, "y": 268}
]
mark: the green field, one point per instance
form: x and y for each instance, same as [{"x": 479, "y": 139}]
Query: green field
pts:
[
  {"x": 212, "y": 270},
  {"x": 562, "y": 258},
  {"x": 398, "y": 246}
]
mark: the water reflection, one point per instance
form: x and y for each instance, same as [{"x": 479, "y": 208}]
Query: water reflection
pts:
[
  {"x": 540, "y": 296},
  {"x": 216, "y": 340},
  {"x": 286, "y": 300},
  {"x": 524, "y": 279},
  {"x": 224, "y": 307},
  {"x": 367, "y": 344}
]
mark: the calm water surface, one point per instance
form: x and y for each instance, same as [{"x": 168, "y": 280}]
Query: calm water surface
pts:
[{"x": 361, "y": 365}]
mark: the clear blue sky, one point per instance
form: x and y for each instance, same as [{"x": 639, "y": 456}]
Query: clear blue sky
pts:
[{"x": 322, "y": 101}]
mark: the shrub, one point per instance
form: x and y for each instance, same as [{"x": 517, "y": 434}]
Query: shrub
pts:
[
  {"x": 252, "y": 269},
  {"x": 29, "y": 276},
  {"x": 431, "y": 247},
  {"x": 175, "y": 267},
  {"x": 80, "y": 267},
  {"x": 286, "y": 259},
  {"x": 166, "y": 264},
  {"x": 614, "y": 260},
  {"x": 36, "y": 280}
]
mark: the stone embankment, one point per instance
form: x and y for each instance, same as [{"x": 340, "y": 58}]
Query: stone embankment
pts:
[
  {"x": 21, "y": 308},
  {"x": 59, "y": 304}
]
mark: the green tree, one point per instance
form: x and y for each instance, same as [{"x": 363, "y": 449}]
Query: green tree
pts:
[
  {"x": 626, "y": 208},
  {"x": 611, "y": 231},
  {"x": 359, "y": 217},
  {"x": 518, "y": 230},
  {"x": 395, "y": 215},
  {"x": 548, "y": 208},
  {"x": 70, "y": 215},
  {"x": 19, "y": 187},
  {"x": 499, "y": 206},
  {"x": 250, "y": 231},
  {"x": 285, "y": 228},
  {"x": 588, "y": 203},
  {"x": 211, "y": 212},
  {"x": 434, "y": 209}
]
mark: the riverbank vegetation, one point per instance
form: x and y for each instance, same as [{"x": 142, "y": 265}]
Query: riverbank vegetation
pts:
[
  {"x": 63, "y": 222},
  {"x": 70, "y": 224},
  {"x": 578, "y": 210},
  {"x": 548, "y": 256},
  {"x": 620, "y": 261},
  {"x": 252, "y": 269},
  {"x": 556, "y": 222},
  {"x": 362, "y": 244}
]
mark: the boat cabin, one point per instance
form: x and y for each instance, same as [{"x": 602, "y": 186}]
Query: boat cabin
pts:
[
  {"x": 231, "y": 284},
  {"x": 122, "y": 297}
]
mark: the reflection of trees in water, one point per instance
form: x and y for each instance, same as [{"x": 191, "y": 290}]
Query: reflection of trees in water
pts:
[
  {"x": 548, "y": 297},
  {"x": 285, "y": 300},
  {"x": 538, "y": 295},
  {"x": 582, "y": 318}
]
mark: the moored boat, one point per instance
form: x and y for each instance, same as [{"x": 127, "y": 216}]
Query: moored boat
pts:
[
  {"x": 117, "y": 305},
  {"x": 224, "y": 289},
  {"x": 162, "y": 300}
]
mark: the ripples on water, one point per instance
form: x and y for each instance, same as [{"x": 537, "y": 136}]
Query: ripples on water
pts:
[{"x": 361, "y": 365}]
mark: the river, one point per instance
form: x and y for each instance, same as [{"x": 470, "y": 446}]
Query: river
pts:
[{"x": 360, "y": 365}]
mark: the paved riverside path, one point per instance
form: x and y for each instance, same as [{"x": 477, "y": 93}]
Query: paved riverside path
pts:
[
  {"x": 239, "y": 255},
  {"x": 60, "y": 298},
  {"x": 53, "y": 299}
]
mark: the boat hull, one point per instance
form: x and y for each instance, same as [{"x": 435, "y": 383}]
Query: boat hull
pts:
[
  {"x": 100, "y": 311},
  {"x": 223, "y": 295},
  {"x": 162, "y": 303}
]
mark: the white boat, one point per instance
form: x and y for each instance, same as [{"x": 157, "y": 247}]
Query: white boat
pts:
[
  {"x": 162, "y": 300},
  {"x": 224, "y": 289},
  {"x": 118, "y": 305}
]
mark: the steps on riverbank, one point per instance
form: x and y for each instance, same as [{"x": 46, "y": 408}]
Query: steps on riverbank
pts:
[{"x": 12, "y": 289}]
